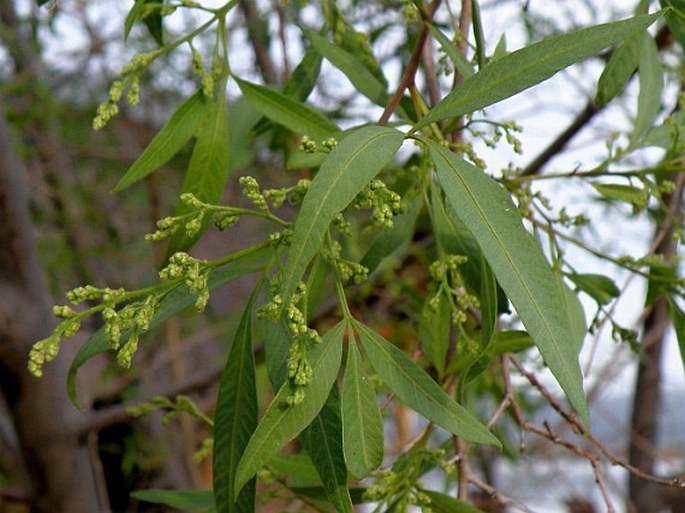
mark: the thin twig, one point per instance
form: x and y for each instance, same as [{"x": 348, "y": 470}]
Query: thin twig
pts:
[{"x": 412, "y": 67}]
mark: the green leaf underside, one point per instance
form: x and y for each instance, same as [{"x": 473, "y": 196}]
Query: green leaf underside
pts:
[
  {"x": 524, "y": 274},
  {"x": 207, "y": 172},
  {"x": 443, "y": 503},
  {"x": 352, "y": 164},
  {"x": 179, "y": 499},
  {"x": 434, "y": 332},
  {"x": 281, "y": 422},
  {"x": 651, "y": 86},
  {"x": 461, "y": 64},
  {"x": 236, "y": 418},
  {"x": 362, "y": 423},
  {"x": 531, "y": 65},
  {"x": 289, "y": 112},
  {"x": 323, "y": 441},
  {"x": 620, "y": 192},
  {"x": 418, "y": 391},
  {"x": 297, "y": 467},
  {"x": 363, "y": 80},
  {"x": 175, "y": 302},
  {"x": 181, "y": 126},
  {"x": 618, "y": 70},
  {"x": 601, "y": 288}
]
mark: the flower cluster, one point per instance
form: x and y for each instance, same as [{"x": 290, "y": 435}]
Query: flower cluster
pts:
[
  {"x": 130, "y": 79},
  {"x": 298, "y": 367},
  {"x": 195, "y": 274},
  {"x": 384, "y": 203},
  {"x": 294, "y": 195},
  {"x": 348, "y": 270},
  {"x": 130, "y": 320},
  {"x": 445, "y": 273}
]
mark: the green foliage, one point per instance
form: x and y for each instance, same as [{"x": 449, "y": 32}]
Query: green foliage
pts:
[{"x": 393, "y": 235}]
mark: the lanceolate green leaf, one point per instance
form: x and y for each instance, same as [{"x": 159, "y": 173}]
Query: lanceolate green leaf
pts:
[
  {"x": 461, "y": 64},
  {"x": 194, "y": 500},
  {"x": 283, "y": 422},
  {"x": 365, "y": 82},
  {"x": 418, "y": 391},
  {"x": 618, "y": 70},
  {"x": 651, "y": 85},
  {"x": 443, "y": 503},
  {"x": 178, "y": 300},
  {"x": 524, "y": 274},
  {"x": 207, "y": 171},
  {"x": 286, "y": 111},
  {"x": 235, "y": 419},
  {"x": 531, "y": 65},
  {"x": 362, "y": 423},
  {"x": 323, "y": 441},
  {"x": 352, "y": 164},
  {"x": 181, "y": 126}
]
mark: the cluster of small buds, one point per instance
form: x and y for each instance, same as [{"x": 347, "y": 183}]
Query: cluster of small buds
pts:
[
  {"x": 131, "y": 80},
  {"x": 440, "y": 269},
  {"x": 667, "y": 187},
  {"x": 204, "y": 451},
  {"x": 63, "y": 311},
  {"x": 294, "y": 195},
  {"x": 194, "y": 272},
  {"x": 282, "y": 238},
  {"x": 385, "y": 204},
  {"x": 330, "y": 143},
  {"x": 386, "y": 483},
  {"x": 353, "y": 271},
  {"x": 342, "y": 224},
  {"x": 271, "y": 310},
  {"x": 252, "y": 192},
  {"x": 43, "y": 352},
  {"x": 125, "y": 354},
  {"x": 469, "y": 152},
  {"x": 565, "y": 220},
  {"x": 307, "y": 145}
]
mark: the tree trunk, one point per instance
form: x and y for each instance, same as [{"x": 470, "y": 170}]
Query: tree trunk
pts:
[{"x": 57, "y": 462}]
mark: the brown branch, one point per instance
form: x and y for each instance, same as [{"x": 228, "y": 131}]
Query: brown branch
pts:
[
  {"x": 252, "y": 21},
  {"x": 412, "y": 66}
]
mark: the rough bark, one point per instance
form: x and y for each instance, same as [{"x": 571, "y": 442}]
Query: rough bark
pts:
[
  {"x": 647, "y": 397},
  {"x": 58, "y": 462}
]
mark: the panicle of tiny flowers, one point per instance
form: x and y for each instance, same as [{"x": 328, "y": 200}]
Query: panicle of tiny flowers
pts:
[
  {"x": 252, "y": 192},
  {"x": 384, "y": 203},
  {"x": 195, "y": 274}
]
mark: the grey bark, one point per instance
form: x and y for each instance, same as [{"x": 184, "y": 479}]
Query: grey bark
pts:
[{"x": 56, "y": 460}]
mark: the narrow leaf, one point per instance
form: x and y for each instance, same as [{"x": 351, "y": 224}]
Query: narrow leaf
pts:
[
  {"x": 181, "y": 126},
  {"x": 362, "y": 423},
  {"x": 651, "y": 85},
  {"x": 418, "y": 391},
  {"x": 675, "y": 18},
  {"x": 153, "y": 21},
  {"x": 177, "y": 300},
  {"x": 297, "y": 467},
  {"x": 283, "y": 422},
  {"x": 443, "y": 503},
  {"x": 599, "y": 287},
  {"x": 236, "y": 418},
  {"x": 618, "y": 70},
  {"x": 323, "y": 441},
  {"x": 531, "y": 65},
  {"x": 461, "y": 64},
  {"x": 286, "y": 111},
  {"x": 131, "y": 17},
  {"x": 178, "y": 499},
  {"x": 678, "y": 317},
  {"x": 362, "y": 79},
  {"x": 352, "y": 164},
  {"x": 207, "y": 172},
  {"x": 434, "y": 331},
  {"x": 619, "y": 192},
  {"x": 524, "y": 274}
]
